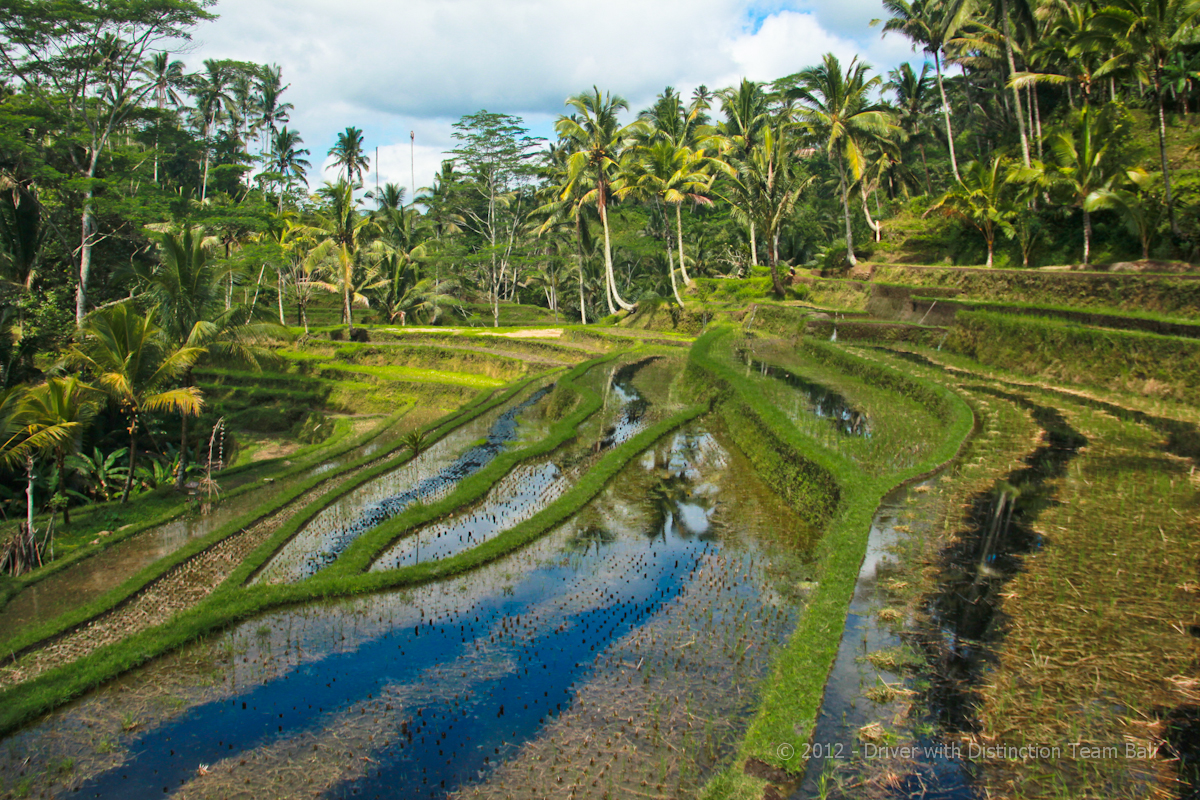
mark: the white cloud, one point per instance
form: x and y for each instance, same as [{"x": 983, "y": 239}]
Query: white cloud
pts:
[{"x": 390, "y": 67}]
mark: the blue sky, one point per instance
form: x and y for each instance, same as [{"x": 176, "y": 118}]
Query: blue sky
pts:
[{"x": 394, "y": 66}]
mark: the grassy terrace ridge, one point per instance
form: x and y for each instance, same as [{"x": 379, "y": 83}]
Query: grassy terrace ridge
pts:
[
  {"x": 1172, "y": 295},
  {"x": 232, "y": 603},
  {"x": 835, "y": 492},
  {"x": 24, "y": 640},
  {"x": 1145, "y": 363},
  {"x": 1146, "y": 321},
  {"x": 468, "y": 490},
  {"x": 176, "y": 505}
]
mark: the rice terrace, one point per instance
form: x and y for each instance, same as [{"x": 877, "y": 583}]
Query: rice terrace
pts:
[{"x": 832, "y": 433}]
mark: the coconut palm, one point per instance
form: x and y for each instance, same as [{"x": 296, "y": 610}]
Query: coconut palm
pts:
[
  {"x": 56, "y": 415},
  {"x": 746, "y": 114},
  {"x": 287, "y": 160},
  {"x": 213, "y": 94},
  {"x": 1137, "y": 202},
  {"x": 187, "y": 289},
  {"x": 597, "y": 140},
  {"x": 167, "y": 79},
  {"x": 131, "y": 360},
  {"x": 983, "y": 198},
  {"x": 926, "y": 23},
  {"x": 841, "y": 114},
  {"x": 913, "y": 103},
  {"x": 340, "y": 230},
  {"x": 1146, "y": 33},
  {"x": 348, "y": 156},
  {"x": 565, "y": 203},
  {"x": 672, "y": 174}
]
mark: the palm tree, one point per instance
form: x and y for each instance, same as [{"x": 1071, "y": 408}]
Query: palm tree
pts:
[
  {"x": 56, "y": 414},
  {"x": 565, "y": 203},
  {"x": 670, "y": 173},
  {"x": 167, "y": 78},
  {"x": 1146, "y": 33},
  {"x": 348, "y": 155},
  {"x": 211, "y": 89},
  {"x": 187, "y": 289},
  {"x": 132, "y": 362},
  {"x": 287, "y": 160},
  {"x": 925, "y": 23},
  {"x": 1083, "y": 168},
  {"x": 746, "y": 114},
  {"x": 597, "y": 141},
  {"x": 270, "y": 113},
  {"x": 1136, "y": 202},
  {"x": 842, "y": 116},
  {"x": 340, "y": 230},
  {"x": 914, "y": 104},
  {"x": 982, "y": 199}
]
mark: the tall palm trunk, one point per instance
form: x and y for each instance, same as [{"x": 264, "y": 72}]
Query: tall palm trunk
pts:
[
  {"x": 846, "y": 214},
  {"x": 937, "y": 63},
  {"x": 753, "y": 246},
  {"x": 133, "y": 422},
  {"x": 608, "y": 264},
  {"x": 1087, "y": 237},
  {"x": 679, "y": 231},
  {"x": 1012, "y": 70},
  {"x": 1162, "y": 149},
  {"x": 579, "y": 249},
  {"x": 671, "y": 270}
]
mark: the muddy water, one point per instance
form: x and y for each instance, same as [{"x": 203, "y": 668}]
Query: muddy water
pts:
[
  {"x": 953, "y": 644},
  {"x": 807, "y": 399},
  {"x": 429, "y": 477},
  {"x": 529, "y": 488},
  {"x": 625, "y": 648}
]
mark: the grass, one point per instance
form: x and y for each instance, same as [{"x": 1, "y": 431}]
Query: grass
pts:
[
  {"x": 824, "y": 487},
  {"x": 1145, "y": 363},
  {"x": 232, "y": 602},
  {"x": 1165, "y": 295},
  {"x": 76, "y": 617}
]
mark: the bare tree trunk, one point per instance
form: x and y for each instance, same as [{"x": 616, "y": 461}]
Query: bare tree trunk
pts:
[
  {"x": 876, "y": 227},
  {"x": 753, "y": 246},
  {"x": 846, "y": 214},
  {"x": 1162, "y": 151},
  {"x": 279, "y": 292},
  {"x": 679, "y": 230},
  {"x": 132, "y": 459},
  {"x": 937, "y": 63},
  {"x": 1012, "y": 70},
  {"x": 1087, "y": 237}
]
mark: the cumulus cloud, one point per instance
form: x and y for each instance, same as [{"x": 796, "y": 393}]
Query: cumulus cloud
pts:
[{"x": 390, "y": 67}]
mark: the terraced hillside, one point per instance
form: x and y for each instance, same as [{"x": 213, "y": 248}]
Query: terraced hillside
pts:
[{"x": 718, "y": 552}]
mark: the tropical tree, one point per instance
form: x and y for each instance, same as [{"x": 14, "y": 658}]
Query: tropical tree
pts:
[
  {"x": 187, "y": 290},
  {"x": 596, "y": 140},
  {"x": 348, "y": 156},
  {"x": 984, "y": 199},
  {"x": 746, "y": 111},
  {"x": 1137, "y": 201},
  {"x": 166, "y": 79},
  {"x": 913, "y": 105},
  {"x": 55, "y": 416},
  {"x": 842, "y": 116},
  {"x": 926, "y": 23},
  {"x": 671, "y": 174},
  {"x": 340, "y": 230},
  {"x": 213, "y": 96},
  {"x": 287, "y": 160},
  {"x": 85, "y": 59},
  {"x": 131, "y": 360},
  {"x": 1146, "y": 33}
]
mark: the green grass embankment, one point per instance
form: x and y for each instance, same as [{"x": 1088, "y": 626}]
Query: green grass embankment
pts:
[
  {"x": 825, "y": 488},
  {"x": 1142, "y": 363},
  {"x": 232, "y": 603},
  {"x": 15, "y": 645}
]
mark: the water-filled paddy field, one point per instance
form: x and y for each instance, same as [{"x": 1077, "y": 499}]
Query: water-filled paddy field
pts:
[{"x": 758, "y": 568}]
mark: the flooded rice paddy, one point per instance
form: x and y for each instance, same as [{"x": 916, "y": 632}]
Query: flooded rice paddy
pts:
[
  {"x": 432, "y": 475},
  {"x": 621, "y": 651}
]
